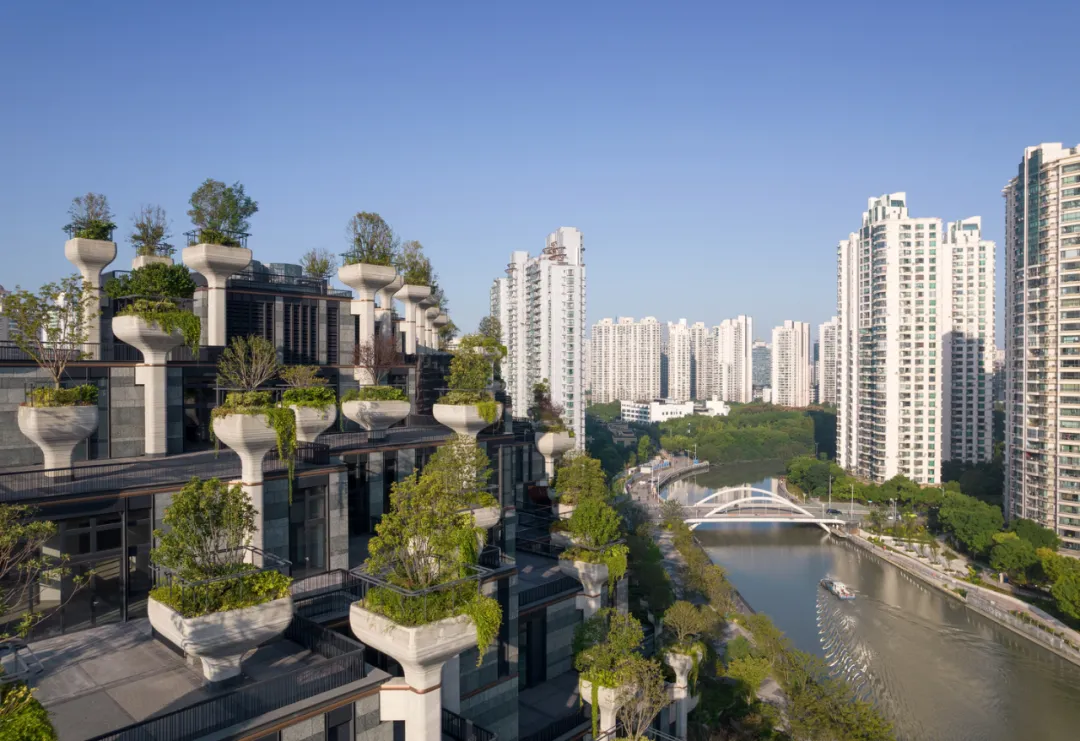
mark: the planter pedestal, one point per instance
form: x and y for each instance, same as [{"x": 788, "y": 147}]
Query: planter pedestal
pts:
[
  {"x": 221, "y": 640},
  {"x": 608, "y": 700},
  {"x": 216, "y": 263},
  {"x": 141, "y": 261},
  {"x": 312, "y": 422},
  {"x": 682, "y": 664},
  {"x": 376, "y": 416},
  {"x": 422, "y": 652},
  {"x": 464, "y": 419},
  {"x": 91, "y": 256},
  {"x": 440, "y": 321},
  {"x": 411, "y": 296},
  {"x": 152, "y": 375},
  {"x": 252, "y": 437},
  {"x": 562, "y": 511},
  {"x": 552, "y": 445},
  {"x": 57, "y": 430},
  {"x": 486, "y": 517},
  {"x": 365, "y": 280},
  {"x": 384, "y": 315},
  {"x": 593, "y": 578},
  {"x": 430, "y": 312}
]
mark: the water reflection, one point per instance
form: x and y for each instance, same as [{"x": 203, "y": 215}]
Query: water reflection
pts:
[{"x": 937, "y": 669}]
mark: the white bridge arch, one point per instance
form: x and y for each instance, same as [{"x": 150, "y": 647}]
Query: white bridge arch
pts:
[{"x": 739, "y": 509}]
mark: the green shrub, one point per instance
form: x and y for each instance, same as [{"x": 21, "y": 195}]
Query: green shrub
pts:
[
  {"x": 156, "y": 280},
  {"x": 224, "y": 595},
  {"x": 47, "y": 396},
  {"x": 375, "y": 393},
  {"x": 282, "y": 419},
  {"x": 22, "y": 717},
  {"x": 165, "y": 316},
  {"x": 316, "y": 397}
]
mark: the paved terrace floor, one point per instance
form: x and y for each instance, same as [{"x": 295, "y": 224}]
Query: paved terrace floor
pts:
[
  {"x": 115, "y": 474},
  {"x": 535, "y": 570},
  {"x": 549, "y": 701},
  {"x": 97, "y": 681}
]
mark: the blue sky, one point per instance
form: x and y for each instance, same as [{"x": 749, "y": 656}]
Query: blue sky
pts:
[{"x": 711, "y": 153}]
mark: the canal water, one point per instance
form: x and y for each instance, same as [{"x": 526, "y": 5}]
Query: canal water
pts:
[{"x": 936, "y": 669}]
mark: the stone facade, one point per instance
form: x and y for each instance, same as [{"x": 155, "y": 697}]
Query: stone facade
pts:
[
  {"x": 126, "y": 419},
  {"x": 562, "y": 618},
  {"x": 495, "y": 708},
  {"x": 367, "y": 725},
  {"x": 338, "y": 519}
]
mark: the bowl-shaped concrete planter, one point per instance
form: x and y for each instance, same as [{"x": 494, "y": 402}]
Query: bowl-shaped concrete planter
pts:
[
  {"x": 682, "y": 664},
  {"x": 421, "y": 650},
  {"x": 216, "y": 262},
  {"x": 57, "y": 430},
  {"x": 222, "y": 639},
  {"x": 464, "y": 419},
  {"x": 90, "y": 255},
  {"x": 149, "y": 339},
  {"x": 553, "y": 444},
  {"x": 141, "y": 261},
  {"x": 486, "y": 517},
  {"x": 593, "y": 576},
  {"x": 607, "y": 698},
  {"x": 374, "y": 416},
  {"x": 312, "y": 421},
  {"x": 251, "y": 436},
  {"x": 366, "y": 279}
]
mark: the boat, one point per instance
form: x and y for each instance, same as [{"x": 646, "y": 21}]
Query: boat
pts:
[{"x": 841, "y": 590}]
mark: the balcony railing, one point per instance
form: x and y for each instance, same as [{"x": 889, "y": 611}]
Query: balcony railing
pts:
[
  {"x": 151, "y": 472},
  {"x": 546, "y": 591},
  {"x": 560, "y": 727},
  {"x": 344, "y": 665},
  {"x": 461, "y": 729},
  {"x": 115, "y": 352}
]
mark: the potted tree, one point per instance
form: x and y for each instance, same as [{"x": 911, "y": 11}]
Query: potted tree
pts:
[
  {"x": 604, "y": 646},
  {"x": 90, "y": 248},
  {"x": 216, "y": 247},
  {"x": 580, "y": 475},
  {"x": 422, "y": 601},
  {"x": 376, "y": 406},
  {"x": 319, "y": 264},
  {"x": 148, "y": 237},
  {"x": 368, "y": 266},
  {"x": 469, "y": 406},
  {"x": 154, "y": 318},
  {"x": 311, "y": 400},
  {"x": 553, "y": 438},
  {"x": 597, "y": 555},
  {"x": 415, "y": 269},
  {"x": 212, "y": 601},
  {"x": 461, "y": 467},
  {"x": 51, "y": 327},
  {"x": 684, "y": 624},
  {"x": 248, "y": 421}
]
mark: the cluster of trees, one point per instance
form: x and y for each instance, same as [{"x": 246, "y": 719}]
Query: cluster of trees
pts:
[
  {"x": 617, "y": 458},
  {"x": 751, "y": 432},
  {"x": 605, "y": 412}
]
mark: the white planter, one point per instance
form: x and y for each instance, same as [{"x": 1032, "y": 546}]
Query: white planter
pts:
[
  {"x": 141, "y": 261},
  {"x": 312, "y": 422},
  {"x": 421, "y": 650},
  {"x": 216, "y": 263},
  {"x": 251, "y": 436},
  {"x": 486, "y": 517},
  {"x": 561, "y": 538},
  {"x": 682, "y": 664},
  {"x": 57, "y": 430},
  {"x": 552, "y": 445},
  {"x": 593, "y": 578},
  {"x": 90, "y": 256},
  {"x": 608, "y": 700},
  {"x": 375, "y": 416},
  {"x": 562, "y": 511},
  {"x": 366, "y": 279},
  {"x": 222, "y": 639},
  {"x": 464, "y": 419},
  {"x": 149, "y": 339},
  {"x": 411, "y": 296}
]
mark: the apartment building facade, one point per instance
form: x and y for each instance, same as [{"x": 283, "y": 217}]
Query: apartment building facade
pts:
[
  {"x": 680, "y": 352},
  {"x": 625, "y": 359},
  {"x": 1042, "y": 340},
  {"x": 828, "y": 349},
  {"x": 733, "y": 357},
  {"x": 790, "y": 380}
]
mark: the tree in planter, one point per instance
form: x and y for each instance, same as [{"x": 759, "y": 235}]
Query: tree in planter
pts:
[
  {"x": 642, "y": 694},
  {"x": 748, "y": 673},
  {"x": 371, "y": 241},
  {"x": 209, "y": 525},
  {"x": 91, "y": 217},
  {"x": 52, "y": 327},
  {"x": 470, "y": 376},
  {"x": 152, "y": 281},
  {"x": 306, "y": 387},
  {"x": 448, "y": 332},
  {"x": 150, "y": 232},
  {"x": 594, "y": 528},
  {"x": 491, "y": 328},
  {"x": 579, "y": 476},
  {"x": 376, "y": 358},
  {"x": 423, "y": 543},
  {"x": 462, "y": 468},
  {"x": 602, "y": 646},
  {"x": 221, "y": 211},
  {"x": 685, "y": 622},
  {"x": 319, "y": 263},
  {"x": 414, "y": 266},
  {"x": 546, "y": 414}
]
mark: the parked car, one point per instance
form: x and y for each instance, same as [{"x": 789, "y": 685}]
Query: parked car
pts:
[{"x": 833, "y": 512}]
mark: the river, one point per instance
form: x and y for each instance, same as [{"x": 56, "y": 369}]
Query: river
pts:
[{"x": 936, "y": 669}]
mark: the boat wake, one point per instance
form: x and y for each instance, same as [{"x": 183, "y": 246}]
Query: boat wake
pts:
[{"x": 846, "y": 656}]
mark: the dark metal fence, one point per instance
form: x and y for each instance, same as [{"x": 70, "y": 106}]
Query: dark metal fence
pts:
[
  {"x": 343, "y": 666},
  {"x": 299, "y": 284},
  {"x": 340, "y": 442},
  {"x": 462, "y": 729},
  {"x": 560, "y": 727},
  {"x": 547, "y": 591},
  {"x": 216, "y": 236},
  {"x": 540, "y": 548},
  {"x": 109, "y": 477},
  {"x": 430, "y": 603},
  {"x": 236, "y": 585},
  {"x": 114, "y": 352}
]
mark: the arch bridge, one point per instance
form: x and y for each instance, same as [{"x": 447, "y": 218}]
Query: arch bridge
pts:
[{"x": 741, "y": 504}]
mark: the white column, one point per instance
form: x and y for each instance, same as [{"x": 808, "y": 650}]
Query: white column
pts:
[
  {"x": 152, "y": 375},
  {"x": 682, "y": 664},
  {"x": 385, "y": 313},
  {"x": 91, "y": 256},
  {"x": 252, "y": 437},
  {"x": 216, "y": 263},
  {"x": 411, "y": 296},
  {"x": 440, "y": 321},
  {"x": 429, "y": 326}
]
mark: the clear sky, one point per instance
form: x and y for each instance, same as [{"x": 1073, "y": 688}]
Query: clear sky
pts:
[{"x": 712, "y": 153}]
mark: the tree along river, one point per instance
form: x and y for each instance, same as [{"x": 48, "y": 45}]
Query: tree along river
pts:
[{"x": 937, "y": 669}]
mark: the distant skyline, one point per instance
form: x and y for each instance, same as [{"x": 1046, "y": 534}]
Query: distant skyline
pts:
[{"x": 711, "y": 155}]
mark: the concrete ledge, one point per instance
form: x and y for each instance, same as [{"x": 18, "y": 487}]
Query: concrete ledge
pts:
[
  {"x": 375, "y": 416},
  {"x": 57, "y": 430},
  {"x": 464, "y": 419}
]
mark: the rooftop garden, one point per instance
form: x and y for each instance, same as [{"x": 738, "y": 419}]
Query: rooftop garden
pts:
[{"x": 220, "y": 213}]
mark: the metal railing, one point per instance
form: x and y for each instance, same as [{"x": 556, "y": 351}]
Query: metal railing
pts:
[
  {"x": 214, "y": 236},
  {"x": 547, "y": 591},
  {"x": 560, "y": 727},
  {"x": 540, "y": 548},
  {"x": 340, "y": 442},
  {"x": 462, "y": 729},
  {"x": 342, "y": 667},
  {"x": 200, "y": 595},
  {"x": 110, "y": 477},
  {"x": 430, "y": 603},
  {"x": 301, "y": 284}
]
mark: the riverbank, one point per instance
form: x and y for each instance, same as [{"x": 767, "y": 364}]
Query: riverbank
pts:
[{"x": 1000, "y": 608}]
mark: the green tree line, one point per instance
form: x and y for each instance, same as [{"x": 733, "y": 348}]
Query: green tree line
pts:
[{"x": 750, "y": 432}]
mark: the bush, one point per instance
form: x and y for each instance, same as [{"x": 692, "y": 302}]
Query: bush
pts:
[
  {"x": 91, "y": 217},
  {"x": 244, "y": 590},
  {"x": 315, "y": 397},
  {"x": 375, "y": 393},
  {"x": 372, "y": 240},
  {"x": 156, "y": 280},
  {"x": 165, "y": 316},
  {"x": 22, "y": 717},
  {"x": 219, "y": 211},
  {"x": 46, "y": 396}
]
